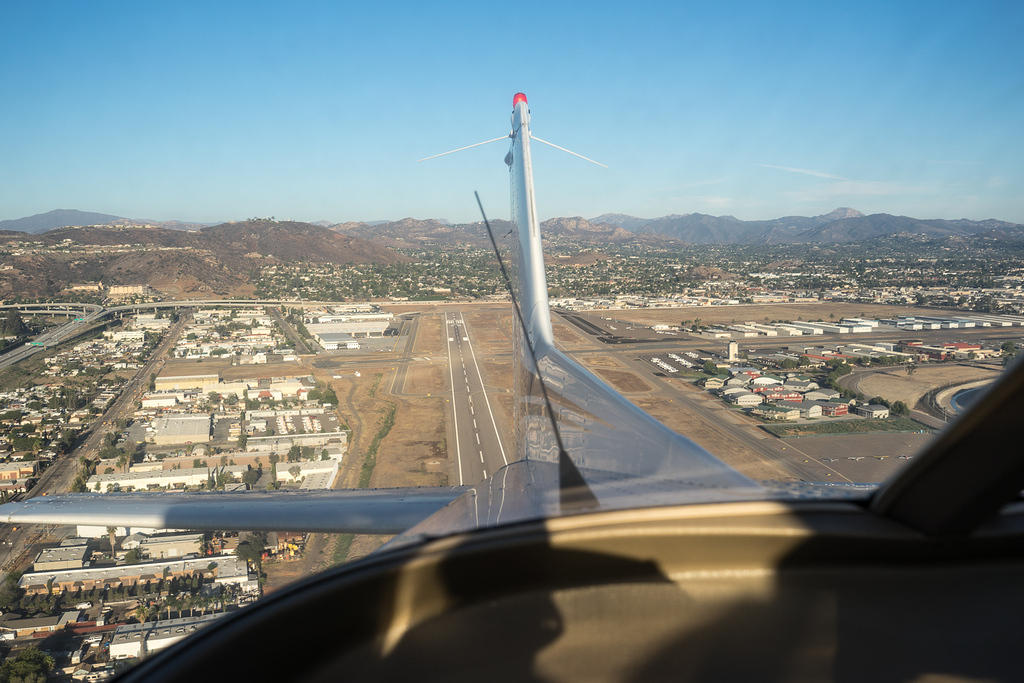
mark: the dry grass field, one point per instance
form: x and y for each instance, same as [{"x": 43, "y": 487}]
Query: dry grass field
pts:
[
  {"x": 897, "y": 385},
  {"x": 412, "y": 451}
]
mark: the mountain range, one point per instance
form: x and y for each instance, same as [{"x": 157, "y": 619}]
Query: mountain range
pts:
[
  {"x": 836, "y": 227},
  {"x": 839, "y": 226}
]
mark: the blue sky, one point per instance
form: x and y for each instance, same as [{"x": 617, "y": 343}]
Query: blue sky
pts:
[{"x": 319, "y": 110}]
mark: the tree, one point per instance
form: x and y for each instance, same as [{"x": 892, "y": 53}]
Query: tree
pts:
[
  {"x": 294, "y": 453},
  {"x": 31, "y": 665},
  {"x": 12, "y": 325},
  {"x": 899, "y": 408},
  {"x": 710, "y": 368},
  {"x": 250, "y": 477},
  {"x": 111, "y": 534},
  {"x": 10, "y": 593},
  {"x": 250, "y": 552},
  {"x": 911, "y": 369},
  {"x": 132, "y": 556},
  {"x": 295, "y": 471},
  {"x": 243, "y": 439}
]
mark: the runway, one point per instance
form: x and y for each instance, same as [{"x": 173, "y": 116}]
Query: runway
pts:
[{"x": 478, "y": 448}]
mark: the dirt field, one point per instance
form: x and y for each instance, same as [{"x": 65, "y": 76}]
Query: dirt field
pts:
[
  {"x": 756, "y": 313},
  {"x": 565, "y": 335},
  {"x": 263, "y": 371},
  {"x": 624, "y": 381},
  {"x": 897, "y": 385},
  {"x": 491, "y": 329},
  {"x": 230, "y": 373},
  {"x": 424, "y": 379},
  {"x": 428, "y": 335},
  {"x": 712, "y": 437}
]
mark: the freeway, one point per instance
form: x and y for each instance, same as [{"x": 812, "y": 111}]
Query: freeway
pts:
[
  {"x": 479, "y": 451},
  {"x": 52, "y": 337}
]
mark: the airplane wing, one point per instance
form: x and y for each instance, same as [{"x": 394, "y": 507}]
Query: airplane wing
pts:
[{"x": 372, "y": 511}]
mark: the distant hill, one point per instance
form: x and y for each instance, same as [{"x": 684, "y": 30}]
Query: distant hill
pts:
[
  {"x": 58, "y": 218},
  {"x": 62, "y": 218},
  {"x": 295, "y": 241},
  {"x": 838, "y": 226},
  {"x": 412, "y": 233},
  {"x": 218, "y": 260}
]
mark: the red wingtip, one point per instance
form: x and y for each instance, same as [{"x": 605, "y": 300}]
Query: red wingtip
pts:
[{"x": 517, "y": 98}]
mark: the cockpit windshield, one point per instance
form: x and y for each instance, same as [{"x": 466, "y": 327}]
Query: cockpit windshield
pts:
[{"x": 289, "y": 345}]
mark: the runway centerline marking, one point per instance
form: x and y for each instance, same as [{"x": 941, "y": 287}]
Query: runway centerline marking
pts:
[
  {"x": 483, "y": 388},
  {"x": 455, "y": 414}
]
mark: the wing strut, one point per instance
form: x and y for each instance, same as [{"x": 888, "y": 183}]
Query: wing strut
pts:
[
  {"x": 568, "y": 151},
  {"x": 475, "y": 144}
]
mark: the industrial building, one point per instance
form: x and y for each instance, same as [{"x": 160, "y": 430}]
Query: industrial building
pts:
[
  {"x": 171, "y": 545},
  {"x": 61, "y": 557},
  {"x": 204, "y": 382},
  {"x": 180, "y": 429},
  {"x": 281, "y": 443},
  {"x": 332, "y": 341},
  {"x": 132, "y": 641},
  {"x": 227, "y": 569},
  {"x": 366, "y": 328},
  {"x": 161, "y": 479}
]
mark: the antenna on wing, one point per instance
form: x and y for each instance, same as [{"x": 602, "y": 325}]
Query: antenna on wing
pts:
[
  {"x": 569, "y": 151},
  {"x": 475, "y": 144}
]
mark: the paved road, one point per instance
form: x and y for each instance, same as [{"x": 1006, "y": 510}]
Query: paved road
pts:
[
  {"x": 300, "y": 344},
  {"x": 477, "y": 445},
  {"x": 408, "y": 332}
]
